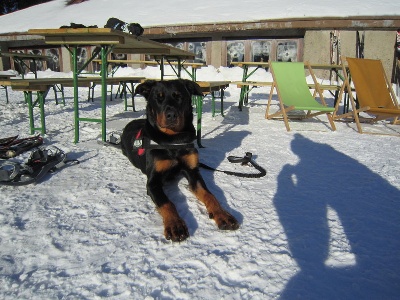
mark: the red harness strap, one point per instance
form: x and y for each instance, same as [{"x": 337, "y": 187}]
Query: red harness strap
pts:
[{"x": 138, "y": 143}]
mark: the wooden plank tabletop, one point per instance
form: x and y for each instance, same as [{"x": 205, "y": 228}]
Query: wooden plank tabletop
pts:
[
  {"x": 149, "y": 62},
  {"x": 82, "y": 81},
  {"x": 24, "y": 55},
  {"x": 249, "y": 63},
  {"x": 123, "y": 42},
  {"x": 266, "y": 65},
  {"x": 5, "y": 82},
  {"x": 213, "y": 83}
]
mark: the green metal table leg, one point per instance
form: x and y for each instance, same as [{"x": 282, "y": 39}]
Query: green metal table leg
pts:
[
  {"x": 213, "y": 104},
  {"x": 103, "y": 91},
  {"x": 162, "y": 67},
  {"x": 76, "y": 95},
  {"x": 243, "y": 88},
  {"x": 28, "y": 99},
  {"x": 199, "y": 108},
  {"x": 41, "y": 96},
  {"x": 244, "y": 91},
  {"x": 124, "y": 87},
  {"x": 222, "y": 102},
  {"x": 5, "y": 89}
]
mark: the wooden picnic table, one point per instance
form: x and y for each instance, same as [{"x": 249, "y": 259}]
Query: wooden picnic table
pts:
[
  {"x": 116, "y": 63},
  {"x": 41, "y": 87},
  {"x": 107, "y": 40},
  {"x": 19, "y": 58}
]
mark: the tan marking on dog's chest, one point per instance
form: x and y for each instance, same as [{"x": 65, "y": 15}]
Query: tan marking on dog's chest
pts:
[
  {"x": 191, "y": 160},
  {"x": 164, "y": 165}
]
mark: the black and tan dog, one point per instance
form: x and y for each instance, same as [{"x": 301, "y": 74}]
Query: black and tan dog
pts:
[{"x": 161, "y": 146}]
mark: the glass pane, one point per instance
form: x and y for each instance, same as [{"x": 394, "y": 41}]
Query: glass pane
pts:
[
  {"x": 21, "y": 69},
  {"x": 82, "y": 55},
  {"x": 286, "y": 51},
  {"x": 119, "y": 56},
  {"x": 39, "y": 63},
  {"x": 260, "y": 51},
  {"x": 96, "y": 66},
  {"x": 179, "y": 45},
  {"x": 199, "y": 49},
  {"x": 53, "y": 63},
  {"x": 234, "y": 52}
]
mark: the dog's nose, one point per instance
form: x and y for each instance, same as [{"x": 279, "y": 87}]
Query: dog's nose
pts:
[{"x": 171, "y": 114}]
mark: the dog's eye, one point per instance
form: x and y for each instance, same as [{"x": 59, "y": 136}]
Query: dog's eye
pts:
[
  {"x": 177, "y": 95},
  {"x": 160, "y": 97}
]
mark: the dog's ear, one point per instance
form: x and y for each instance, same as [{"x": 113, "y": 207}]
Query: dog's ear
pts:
[
  {"x": 145, "y": 88},
  {"x": 192, "y": 87}
]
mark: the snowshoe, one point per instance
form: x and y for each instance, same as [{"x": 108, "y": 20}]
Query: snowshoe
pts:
[{"x": 41, "y": 161}]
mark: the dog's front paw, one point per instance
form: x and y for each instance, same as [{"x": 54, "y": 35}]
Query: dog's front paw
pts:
[
  {"x": 224, "y": 220},
  {"x": 176, "y": 230}
]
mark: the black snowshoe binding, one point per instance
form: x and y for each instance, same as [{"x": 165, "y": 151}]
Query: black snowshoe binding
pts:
[
  {"x": 41, "y": 161},
  {"x": 12, "y": 146}
]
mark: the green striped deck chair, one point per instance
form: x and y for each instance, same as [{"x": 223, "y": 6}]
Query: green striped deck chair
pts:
[{"x": 289, "y": 80}]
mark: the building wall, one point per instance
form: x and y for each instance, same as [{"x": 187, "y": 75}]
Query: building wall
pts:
[
  {"x": 380, "y": 45},
  {"x": 216, "y": 53},
  {"x": 377, "y": 45}
]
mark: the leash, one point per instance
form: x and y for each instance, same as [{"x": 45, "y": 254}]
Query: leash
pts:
[
  {"x": 115, "y": 139},
  {"x": 247, "y": 159}
]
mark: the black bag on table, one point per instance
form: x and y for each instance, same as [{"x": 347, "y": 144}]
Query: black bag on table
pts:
[{"x": 117, "y": 24}]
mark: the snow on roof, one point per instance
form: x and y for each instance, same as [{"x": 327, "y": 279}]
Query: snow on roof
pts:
[{"x": 154, "y": 12}]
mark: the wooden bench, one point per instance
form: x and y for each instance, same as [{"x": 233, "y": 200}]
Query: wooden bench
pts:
[
  {"x": 5, "y": 82},
  {"x": 41, "y": 87},
  {"x": 117, "y": 63},
  {"x": 246, "y": 87},
  {"x": 255, "y": 84}
]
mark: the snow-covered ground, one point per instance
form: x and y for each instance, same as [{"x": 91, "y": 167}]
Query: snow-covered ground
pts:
[{"x": 324, "y": 223}]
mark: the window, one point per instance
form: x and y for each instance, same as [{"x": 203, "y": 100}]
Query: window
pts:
[
  {"x": 52, "y": 62},
  {"x": 234, "y": 52},
  {"x": 200, "y": 51},
  {"x": 82, "y": 56},
  {"x": 286, "y": 51},
  {"x": 260, "y": 51},
  {"x": 263, "y": 50},
  {"x": 199, "y": 48}
]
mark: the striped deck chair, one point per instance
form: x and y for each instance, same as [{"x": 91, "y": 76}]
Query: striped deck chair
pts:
[
  {"x": 294, "y": 94},
  {"x": 375, "y": 95}
]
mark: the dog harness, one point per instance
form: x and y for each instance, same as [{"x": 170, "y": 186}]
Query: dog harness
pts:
[{"x": 140, "y": 144}]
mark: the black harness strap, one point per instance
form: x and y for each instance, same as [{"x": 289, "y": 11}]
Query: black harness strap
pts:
[{"x": 140, "y": 145}]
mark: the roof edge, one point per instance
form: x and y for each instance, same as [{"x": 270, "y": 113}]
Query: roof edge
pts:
[{"x": 349, "y": 22}]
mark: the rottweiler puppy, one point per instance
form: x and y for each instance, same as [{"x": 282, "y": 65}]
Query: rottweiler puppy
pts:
[{"x": 162, "y": 147}]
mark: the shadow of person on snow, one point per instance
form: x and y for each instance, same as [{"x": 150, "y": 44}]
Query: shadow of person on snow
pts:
[{"x": 368, "y": 208}]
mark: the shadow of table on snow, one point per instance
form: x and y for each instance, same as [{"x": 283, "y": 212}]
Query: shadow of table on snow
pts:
[{"x": 369, "y": 210}]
